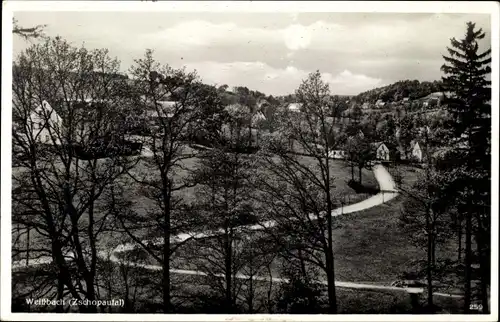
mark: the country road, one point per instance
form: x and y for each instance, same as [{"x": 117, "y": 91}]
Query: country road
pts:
[{"x": 387, "y": 192}]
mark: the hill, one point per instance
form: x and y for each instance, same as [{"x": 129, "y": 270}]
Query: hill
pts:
[{"x": 413, "y": 89}]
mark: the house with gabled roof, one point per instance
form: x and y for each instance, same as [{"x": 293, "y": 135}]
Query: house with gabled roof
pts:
[
  {"x": 381, "y": 150},
  {"x": 258, "y": 118},
  {"x": 45, "y": 124},
  {"x": 418, "y": 151}
]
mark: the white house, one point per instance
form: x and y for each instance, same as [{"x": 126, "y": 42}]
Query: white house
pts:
[
  {"x": 381, "y": 151},
  {"x": 365, "y": 105},
  {"x": 418, "y": 152},
  {"x": 380, "y": 103},
  {"x": 337, "y": 154},
  {"x": 294, "y": 107},
  {"x": 45, "y": 124}
]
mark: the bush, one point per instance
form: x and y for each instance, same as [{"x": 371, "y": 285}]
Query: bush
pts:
[
  {"x": 105, "y": 148},
  {"x": 245, "y": 218},
  {"x": 360, "y": 188}
]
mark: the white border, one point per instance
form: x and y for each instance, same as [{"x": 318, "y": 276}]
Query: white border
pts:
[{"x": 221, "y": 6}]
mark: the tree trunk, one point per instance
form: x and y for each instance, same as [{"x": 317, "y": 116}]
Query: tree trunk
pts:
[
  {"x": 360, "y": 175},
  {"x": 468, "y": 263},
  {"x": 60, "y": 293},
  {"x": 92, "y": 308},
  {"x": 459, "y": 234},
  {"x": 352, "y": 171},
  {"x": 484, "y": 263},
  {"x": 167, "y": 190},
  {"x": 270, "y": 290},
  {"x": 166, "y": 256},
  {"x": 28, "y": 246},
  {"x": 330, "y": 266},
  {"x": 228, "y": 270},
  {"x": 250, "y": 295},
  {"x": 429, "y": 259}
]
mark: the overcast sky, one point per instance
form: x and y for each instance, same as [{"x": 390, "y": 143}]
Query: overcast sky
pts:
[{"x": 271, "y": 52}]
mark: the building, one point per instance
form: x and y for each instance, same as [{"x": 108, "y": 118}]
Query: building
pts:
[
  {"x": 380, "y": 103},
  {"x": 382, "y": 152},
  {"x": 295, "y": 107},
  {"x": 46, "y": 124},
  {"x": 165, "y": 110},
  {"x": 337, "y": 154},
  {"x": 418, "y": 152},
  {"x": 258, "y": 118},
  {"x": 365, "y": 106}
]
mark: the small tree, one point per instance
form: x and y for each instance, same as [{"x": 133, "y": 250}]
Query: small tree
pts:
[
  {"x": 424, "y": 218},
  {"x": 223, "y": 194}
]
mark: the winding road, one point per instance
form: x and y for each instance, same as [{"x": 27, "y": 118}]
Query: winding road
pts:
[{"x": 387, "y": 192}]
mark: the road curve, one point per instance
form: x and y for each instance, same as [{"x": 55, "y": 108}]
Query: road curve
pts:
[{"x": 387, "y": 192}]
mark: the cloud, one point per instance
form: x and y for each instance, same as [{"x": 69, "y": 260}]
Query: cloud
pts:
[
  {"x": 296, "y": 37},
  {"x": 276, "y": 81},
  {"x": 392, "y": 37},
  {"x": 199, "y": 33},
  {"x": 358, "y": 49}
]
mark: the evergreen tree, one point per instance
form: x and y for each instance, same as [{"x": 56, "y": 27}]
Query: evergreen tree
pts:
[{"x": 466, "y": 78}]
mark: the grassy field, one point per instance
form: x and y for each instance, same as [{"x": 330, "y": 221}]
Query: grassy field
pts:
[
  {"x": 190, "y": 295},
  {"x": 370, "y": 245}
]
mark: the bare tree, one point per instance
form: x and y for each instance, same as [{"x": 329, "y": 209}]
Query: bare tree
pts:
[
  {"x": 66, "y": 107},
  {"x": 176, "y": 105},
  {"x": 223, "y": 202},
  {"x": 298, "y": 191},
  {"x": 28, "y": 32}
]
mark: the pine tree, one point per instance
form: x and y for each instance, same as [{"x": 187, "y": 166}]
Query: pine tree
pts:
[{"x": 466, "y": 79}]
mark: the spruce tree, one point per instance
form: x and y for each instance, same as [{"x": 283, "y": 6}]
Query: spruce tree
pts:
[{"x": 468, "y": 102}]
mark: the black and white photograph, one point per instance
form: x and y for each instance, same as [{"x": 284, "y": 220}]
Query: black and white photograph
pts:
[{"x": 249, "y": 160}]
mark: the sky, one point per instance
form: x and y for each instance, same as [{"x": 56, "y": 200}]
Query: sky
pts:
[{"x": 271, "y": 52}]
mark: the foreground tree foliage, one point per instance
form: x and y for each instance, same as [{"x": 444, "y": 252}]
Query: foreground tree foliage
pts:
[
  {"x": 455, "y": 186},
  {"x": 467, "y": 70},
  {"x": 60, "y": 102}
]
